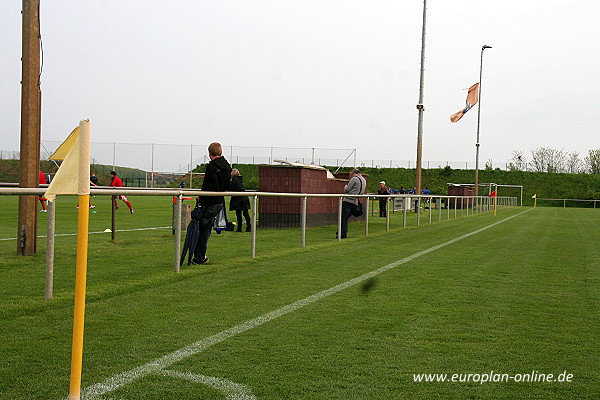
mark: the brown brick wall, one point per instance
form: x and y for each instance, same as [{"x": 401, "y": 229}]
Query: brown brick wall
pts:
[
  {"x": 278, "y": 212},
  {"x": 461, "y": 191}
]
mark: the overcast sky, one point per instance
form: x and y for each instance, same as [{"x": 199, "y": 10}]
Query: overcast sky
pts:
[{"x": 326, "y": 74}]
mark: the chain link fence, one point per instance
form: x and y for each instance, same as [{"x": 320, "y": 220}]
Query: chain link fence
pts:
[
  {"x": 10, "y": 155},
  {"x": 154, "y": 157},
  {"x": 179, "y": 158}
]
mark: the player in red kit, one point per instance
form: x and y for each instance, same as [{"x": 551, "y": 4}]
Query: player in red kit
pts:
[
  {"x": 117, "y": 182},
  {"x": 40, "y": 198}
]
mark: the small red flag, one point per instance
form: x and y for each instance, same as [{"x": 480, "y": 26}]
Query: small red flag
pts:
[{"x": 493, "y": 194}]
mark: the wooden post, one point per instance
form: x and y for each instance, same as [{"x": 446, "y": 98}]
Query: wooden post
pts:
[{"x": 30, "y": 127}]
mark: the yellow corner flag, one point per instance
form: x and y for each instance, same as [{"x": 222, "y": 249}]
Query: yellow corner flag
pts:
[
  {"x": 74, "y": 173},
  {"x": 73, "y": 177},
  {"x": 66, "y": 146}
]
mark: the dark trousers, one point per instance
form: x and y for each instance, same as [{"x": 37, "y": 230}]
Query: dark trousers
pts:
[
  {"x": 206, "y": 224},
  {"x": 383, "y": 207},
  {"x": 347, "y": 209},
  {"x": 202, "y": 245},
  {"x": 238, "y": 214}
]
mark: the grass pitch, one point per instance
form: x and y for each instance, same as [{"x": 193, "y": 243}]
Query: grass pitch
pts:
[{"x": 518, "y": 297}]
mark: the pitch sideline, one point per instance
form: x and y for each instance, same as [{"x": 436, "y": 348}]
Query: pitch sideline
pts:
[
  {"x": 91, "y": 233},
  {"x": 94, "y": 392}
]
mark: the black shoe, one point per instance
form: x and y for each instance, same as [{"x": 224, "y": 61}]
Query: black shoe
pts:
[
  {"x": 238, "y": 229},
  {"x": 196, "y": 261},
  {"x": 248, "y": 229}
]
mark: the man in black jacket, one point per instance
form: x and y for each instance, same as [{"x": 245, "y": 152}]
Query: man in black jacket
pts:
[{"x": 216, "y": 179}]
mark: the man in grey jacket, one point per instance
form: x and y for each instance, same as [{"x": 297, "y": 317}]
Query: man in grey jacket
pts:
[{"x": 356, "y": 185}]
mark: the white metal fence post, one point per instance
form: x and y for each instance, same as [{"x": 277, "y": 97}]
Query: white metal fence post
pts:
[
  {"x": 404, "y": 202},
  {"x": 179, "y": 200},
  {"x": 430, "y": 212},
  {"x": 191, "y": 166},
  {"x": 455, "y": 201},
  {"x": 339, "y": 230},
  {"x": 50, "y": 250},
  {"x": 387, "y": 214},
  {"x": 304, "y": 222},
  {"x": 367, "y": 217},
  {"x": 152, "y": 167},
  {"x": 253, "y": 244}
]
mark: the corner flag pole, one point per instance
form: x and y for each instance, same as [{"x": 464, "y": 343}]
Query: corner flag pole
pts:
[
  {"x": 495, "y": 205},
  {"x": 82, "y": 252}
]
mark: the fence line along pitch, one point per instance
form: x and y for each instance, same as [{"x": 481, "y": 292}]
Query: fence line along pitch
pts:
[
  {"x": 566, "y": 200},
  {"x": 477, "y": 205}
]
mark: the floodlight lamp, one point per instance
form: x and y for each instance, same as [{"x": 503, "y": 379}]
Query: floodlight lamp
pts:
[{"x": 485, "y": 46}]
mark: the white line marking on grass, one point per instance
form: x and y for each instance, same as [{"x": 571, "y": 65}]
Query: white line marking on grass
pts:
[
  {"x": 157, "y": 366},
  {"x": 91, "y": 233},
  {"x": 234, "y": 391}
]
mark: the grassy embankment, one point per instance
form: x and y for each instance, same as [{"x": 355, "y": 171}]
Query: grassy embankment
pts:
[{"x": 547, "y": 185}]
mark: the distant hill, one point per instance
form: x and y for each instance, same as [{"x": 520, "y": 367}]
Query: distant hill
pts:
[
  {"x": 9, "y": 172},
  {"x": 548, "y": 185}
]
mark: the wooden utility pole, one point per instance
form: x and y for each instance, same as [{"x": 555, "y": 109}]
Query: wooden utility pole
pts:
[
  {"x": 30, "y": 127},
  {"x": 421, "y": 107}
]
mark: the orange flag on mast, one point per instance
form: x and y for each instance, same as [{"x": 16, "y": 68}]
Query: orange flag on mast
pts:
[{"x": 472, "y": 99}]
